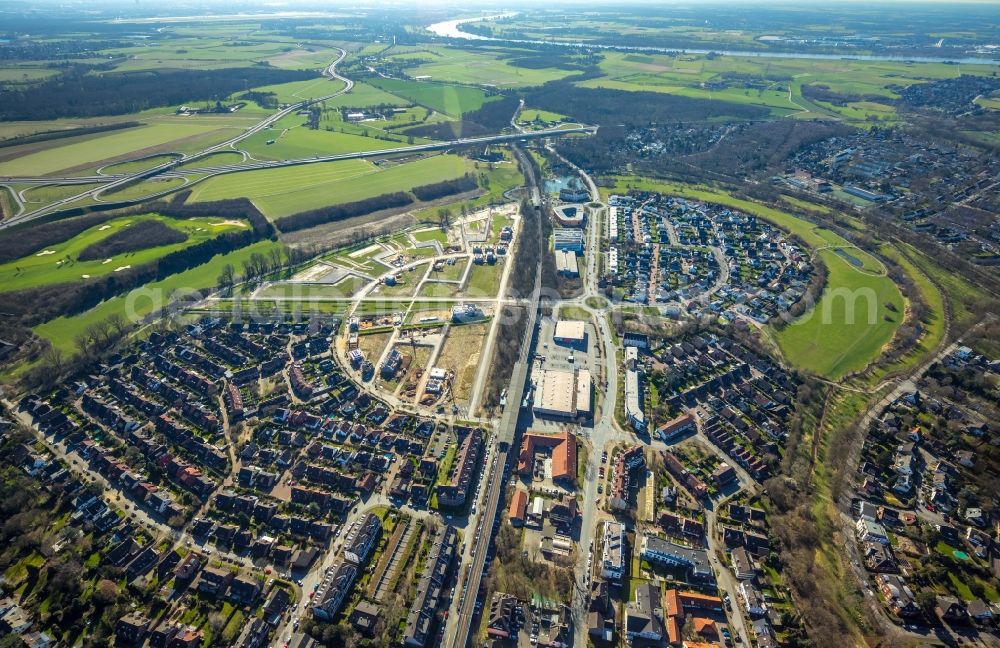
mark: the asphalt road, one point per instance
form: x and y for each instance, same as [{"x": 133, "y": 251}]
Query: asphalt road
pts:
[
  {"x": 166, "y": 170},
  {"x": 331, "y": 71}
]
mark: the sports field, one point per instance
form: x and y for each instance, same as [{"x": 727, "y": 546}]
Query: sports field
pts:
[
  {"x": 59, "y": 264},
  {"x": 288, "y": 190}
]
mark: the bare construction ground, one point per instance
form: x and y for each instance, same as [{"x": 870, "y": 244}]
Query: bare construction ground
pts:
[{"x": 460, "y": 356}]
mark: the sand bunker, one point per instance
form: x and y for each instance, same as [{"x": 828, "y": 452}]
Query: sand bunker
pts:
[
  {"x": 120, "y": 268},
  {"x": 45, "y": 253}
]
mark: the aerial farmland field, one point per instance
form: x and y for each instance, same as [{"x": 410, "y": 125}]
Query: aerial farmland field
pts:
[
  {"x": 450, "y": 99},
  {"x": 291, "y": 139},
  {"x": 280, "y": 192},
  {"x": 363, "y": 95},
  {"x": 485, "y": 67},
  {"x": 92, "y": 149},
  {"x": 705, "y": 77},
  {"x": 297, "y": 91}
]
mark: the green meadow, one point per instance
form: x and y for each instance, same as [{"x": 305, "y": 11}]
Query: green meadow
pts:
[
  {"x": 288, "y": 190},
  {"x": 856, "y": 316},
  {"x": 296, "y": 91},
  {"x": 484, "y": 66},
  {"x": 290, "y": 139},
  {"x": 776, "y": 83},
  {"x": 363, "y": 95},
  {"x": 454, "y": 100},
  {"x": 91, "y": 149}
]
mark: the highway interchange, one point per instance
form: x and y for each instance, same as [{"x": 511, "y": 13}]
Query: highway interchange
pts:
[{"x": 168, "y": 169}]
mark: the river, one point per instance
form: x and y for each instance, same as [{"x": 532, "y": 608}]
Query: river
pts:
[{"x": 451, "y": 29}]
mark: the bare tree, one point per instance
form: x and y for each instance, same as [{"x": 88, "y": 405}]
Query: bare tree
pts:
[{"x": 226, "y": 279}]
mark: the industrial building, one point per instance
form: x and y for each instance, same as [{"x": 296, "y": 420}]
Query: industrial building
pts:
[
  {"x": 563, "y": 394},
  {"x": 571, "y": 333},
  {"x": 566, "y": 264}
]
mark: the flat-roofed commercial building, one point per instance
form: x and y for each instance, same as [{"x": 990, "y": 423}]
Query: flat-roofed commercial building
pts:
[
  {"x": 584, "y": 392},
  {"x": 566, "y": 264},
  {"x": 556, "y": 394},
  {"x": 570, "y": 333},
  {"x": 563, "y": 394}
]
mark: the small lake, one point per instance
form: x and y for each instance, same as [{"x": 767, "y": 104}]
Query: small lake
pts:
[{"x": 553, "y": 185}]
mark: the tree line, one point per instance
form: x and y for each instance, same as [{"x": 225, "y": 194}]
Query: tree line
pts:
[
  {"x": 333, "y": 213},
  {"x": 79, "y": 93},
  {"x": 445, "y": 188},
  {"x": 132, "y": 238},
  {"x": 46, "y": 136}
]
